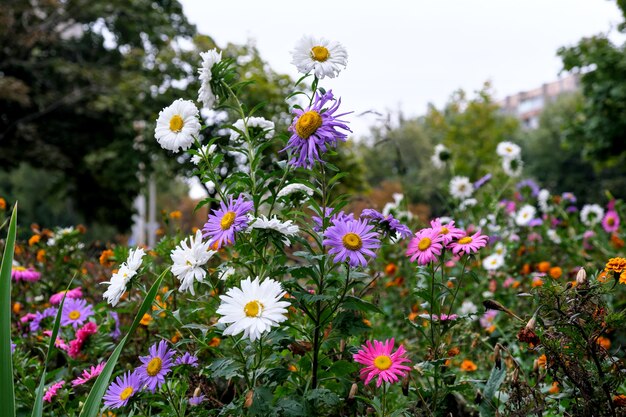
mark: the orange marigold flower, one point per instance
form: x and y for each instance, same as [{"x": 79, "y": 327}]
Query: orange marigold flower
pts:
[
  {"x": 105, "y": 257},
  {"x": 19, "y": 250},
  {"x": 537, "y": 282},
  {"x": 556, "y": 272},
  {"x": 292, "y": 368},
  {"x": 554, "y": 389},
  {"x": 454, "y": 351},
  {"x": 176, "y": 214},
  {"x": 176, "y": 337},
  {"x": 34, "y": 239},
  {"x": 215, "y": 342},
  {"x": 525, "y": 269},
  {"x": 17, "y": 307},
  {"x": 543, "y": 266},
  {"x": 622, "y": 278},
  {"x": 605, "y": 342},
  {"x": 619, "y": 400},
  {"x": 41, "y": 255},
  {"x": 468, "y": 366},
  {"x": 617, "y": 265},
  {"x": 603, "y": 277},
  {"x": 542, "y": 361},
  {"x": 3, "y": 204},
  {"x": 391, "y": 269},
  {"x": 146, "y": 319},
  {"x": 413, "y": 316},
  {"x": 616, "y": 241},
  {"x": 367, "y": 322}
]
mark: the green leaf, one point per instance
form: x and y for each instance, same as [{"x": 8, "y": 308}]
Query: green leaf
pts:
[
  {"x": 92, "y": 404},
  {"x": 354, "y": 303},
  {"x": 38, "y": 406},
  {"x": 496, "y": 378},
  {"x": 7, "y": 392}
]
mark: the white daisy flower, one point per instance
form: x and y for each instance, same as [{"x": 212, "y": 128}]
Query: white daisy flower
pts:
[
  {"x": 205, "y": 94},
  {"x": 323, "y": 57},
  {"x": 542, "y": 201},
  {"x": 288, "y": 229},
  {"x": 512, "y": 167},
  {"x": 293, "y": 188},
  {"x": 258, "y": 124},
  {"x": 493, "y": 262},
  {"x": 225, "y": 272},
  {"x": 204, "y": 152},
  {"x": 508, "y": 150},
  {"x": 440, "y": 156},
  {"x": 469, "y": 202},
  {"x": 468, "y": 308},
  {"x": 119, "y": 280},
  {"x": 591, "y": 214},
  {"x": 177, "y": 125},
  {"x": 500, "y": 249},
  {"x": 461, "y": 188},
  {"x": 525, "y": 215},
  {"x": 188, "y": 260},
  {"x": 554, "y": 236},
  {"x": 254, "y": 309},
  {"x": 135, "y": 258}
]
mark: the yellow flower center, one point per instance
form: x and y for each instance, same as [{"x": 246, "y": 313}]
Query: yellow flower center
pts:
[
  {"x": 154, "y": 366},
  {"x": 508, "y": 149},
  {"x": 308, "y": 124},
  {"x": 74, "y": 315},
  {"x": 465, "y": 240},
  {"x": 444, "y": 231},
  {"x": 253, "y": 308},
  {"x": 228, "y": 220},
  {"x": 176, "y": 123},
  {"x": 382, "y": 362},
  {"x": 352, "y": 241},
  {"x": 127, "y": 392},
  {"x": 319, "y": 53},
  {"x": 424, "y": 243},
  {"x": 19, "y": 268},
  {"x": 610, "y": 221}
]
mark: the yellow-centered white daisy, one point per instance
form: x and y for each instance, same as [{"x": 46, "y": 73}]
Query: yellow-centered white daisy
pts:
[
  {"x": 253, "y": 309},
  {"x": 177, "y": 125},
  {"x": 325, "y": 58},
  {"x": 205, "y": 94},
  {"x": 189, "y": 260}
]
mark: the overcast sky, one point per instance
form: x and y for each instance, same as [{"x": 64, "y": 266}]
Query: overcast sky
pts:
[{"x": 408, "y": 53}]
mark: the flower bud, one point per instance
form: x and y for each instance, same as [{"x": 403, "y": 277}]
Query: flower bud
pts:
[
  {"x": 581, "y": 277},
  {"x": 197, "y": 392}
]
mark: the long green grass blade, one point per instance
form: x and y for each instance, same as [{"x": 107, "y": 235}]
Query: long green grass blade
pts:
[
  {"x": 7, "y": 393},
  {"x": 38, "y": 406},
  {"x": 92, "y": 404}
]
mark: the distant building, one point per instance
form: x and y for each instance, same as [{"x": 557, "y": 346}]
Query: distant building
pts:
[{"x": 527, "y": 105}]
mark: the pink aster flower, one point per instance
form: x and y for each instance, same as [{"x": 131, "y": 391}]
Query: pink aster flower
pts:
[
  {"x": 73, "y": 293},
  {"x": 486, "y": 321},
  {"x": 380, "y": 362},
  {"x": 52, "y": 390},
  {"x": 224, "y": 222},
  {"x": 469, "y": 244},
  {"x": 315, "y": 130},
  {"x": 19, "y": 273},
  {"x": 350, "y": 240},
  {"x": 610, "y": 222},
  {"x": 425, "y": 246},
  {"x": 60, "y": 343},
  {"x": 448, "y": 231},
  {"x": 88, "y": 374}
]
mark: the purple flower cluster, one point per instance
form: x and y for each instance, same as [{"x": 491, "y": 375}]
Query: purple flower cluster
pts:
[{"x": 388, "y": 223}]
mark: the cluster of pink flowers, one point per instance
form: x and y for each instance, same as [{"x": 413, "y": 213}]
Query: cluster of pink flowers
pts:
[
  {"x": 52, "y": 391},
  {"x": 19, "y": 273},
  {"x": 73, "y": 293},
  {"x": 81, "y": 337},
  {"x": 429, "y": 243}
]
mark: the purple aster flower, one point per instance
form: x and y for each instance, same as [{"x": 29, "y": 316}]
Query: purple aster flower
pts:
[
  {"x": 116, "y": 332},
  {"x": 351, "y": 239},
  {"x": 389, "y": 224},
  {"x": 19, "y": 273},
  {"x": 12, "y": 347},
  {"x": 482, "y": 181},
  {"x": 156, "y": 365},
  {"x": 610, "y": 222},
  {"x": 340, "y": 216},
  {"x": 569, "y": 197},
  {"x": 227, "y": 220},
  {"x": 39, "y": 316},
  {"x": 425, "y": 246},
  {"x": 120, "y": 390},
  {"x": 314, "y": 130},
  {"x": 535, "y": 222},
  {"x": 187, "y": 359},
  {"x": 531, "y": 185},
  {"x": 196, "y": 400},
  {"x": 75, "y": 312}
]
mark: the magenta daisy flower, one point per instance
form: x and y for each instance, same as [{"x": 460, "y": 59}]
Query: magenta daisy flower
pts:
[
  {"x": 610, "y": 222},
  {"x": 349, "y": 240},
  {"x": 187, "y": 359},
  {"x": 73, "y": 293},
  {"x": 88, "y": 374},
  {"x": 75, "y": 312},
  {"x": 448, "y": 230},
  {"x": 19, "y": 273},
  {"x": 120, "y": 390},
  {"x": 469, "y": 244},
  {"x": 52, "y": 391},
  {"x": 156, "y": 365},
  {"x": 390, "y": 225},
  {"x": 380, "y": 362},
  {"x": 425, "y": 246},
  {"x": 227, "y": 220},
  {"x": 314, "y": 130}
]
